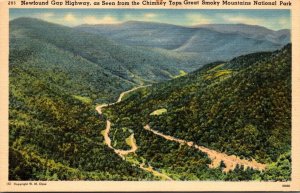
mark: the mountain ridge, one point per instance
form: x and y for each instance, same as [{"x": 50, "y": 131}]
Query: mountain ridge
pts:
[
  {"x": 134, "y": 22},
  {"x": 128, "y": 60},
  {"x": 216, "y": 40}
]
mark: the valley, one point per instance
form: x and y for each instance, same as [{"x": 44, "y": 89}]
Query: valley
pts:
[
  {"x": 132, "y": 143},
  {"x": 96, "y": 103},
  {"x": 173, "y": 124},
  {"x": 230, "y": 162}
]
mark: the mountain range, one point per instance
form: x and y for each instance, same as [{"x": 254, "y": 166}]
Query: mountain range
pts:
[
  {"x": 145, "y": 76},
  {"x": 211, "y": 42},
  {"x": 92, "y": 59}
]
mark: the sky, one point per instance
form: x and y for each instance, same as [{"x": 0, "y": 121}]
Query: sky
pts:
[{"x": 272, "y": 19}]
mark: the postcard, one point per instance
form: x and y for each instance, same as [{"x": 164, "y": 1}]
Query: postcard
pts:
[{"x": 143, "y": 95}]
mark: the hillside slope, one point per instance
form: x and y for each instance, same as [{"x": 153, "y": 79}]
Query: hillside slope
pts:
[
  {"x": 56, "y": 75},
  {"x": 132, "y": 64},
  {"x": 241, "y": 107},
  {"x": 54, "y": 135},
  {"x": 146, "y": 34}
]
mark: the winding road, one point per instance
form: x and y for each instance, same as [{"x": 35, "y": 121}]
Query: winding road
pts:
[
  {"x": 134, "y": 147},
  {"x": 105, "y": 133},
  {"x": 230, "y": 161}
]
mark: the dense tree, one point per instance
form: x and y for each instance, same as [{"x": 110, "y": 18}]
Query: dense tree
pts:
[{"x": 241, "y": 107}]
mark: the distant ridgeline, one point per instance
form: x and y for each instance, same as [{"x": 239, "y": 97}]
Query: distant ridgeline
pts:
[
  {"x": 211, "y": 42},
  {"x": 58, "y": 74}
]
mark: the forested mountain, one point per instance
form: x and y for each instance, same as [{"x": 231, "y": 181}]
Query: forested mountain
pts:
[
  {"x": 58, "y": 74},
  {"x": 53, "y": 129},
  {"x": 211, "y": 42},
  {"x": 146, "y": 34},
  {"x": 252, "y": 31},
  {"x": 99, "y": 56},
  {"x": 241, "y": 107},
  {"x": 54, "y": 136}
]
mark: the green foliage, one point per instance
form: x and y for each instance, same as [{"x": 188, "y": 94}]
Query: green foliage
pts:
[
  {"x": 52, "y": 134},
  {"x": 159, "y": 111},
  {"x": 130, "y": 64},
  {"x": 279, "y": 170},
  {"x": 86, "y": 100},
  {"x": 181, "y": 73},
  {"x": 247, "y": 114},
  {"x": 240, "y": 107}
]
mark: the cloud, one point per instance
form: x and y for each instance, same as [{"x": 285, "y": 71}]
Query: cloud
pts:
[
  {"x": 198, "y": 19},
  {"x": 104, "y": 20},
  {"x": 150, "y": 15},
  {"x": 70, "y": 18},
  {"x": 284, "y": 23},
  {"x": 244, "y": 20},
  {"x": 272, "y": 23},
  {"x": 46, "y": 15}
]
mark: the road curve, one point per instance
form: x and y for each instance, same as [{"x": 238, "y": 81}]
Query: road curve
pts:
[
  {"x": 230, "y": 161},
  {"x": 108, "y": 126},
  {"x": 134, "y": 147}
]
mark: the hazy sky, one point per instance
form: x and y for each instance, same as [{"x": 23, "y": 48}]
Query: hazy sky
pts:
[{"x": 273, "y": 19}]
